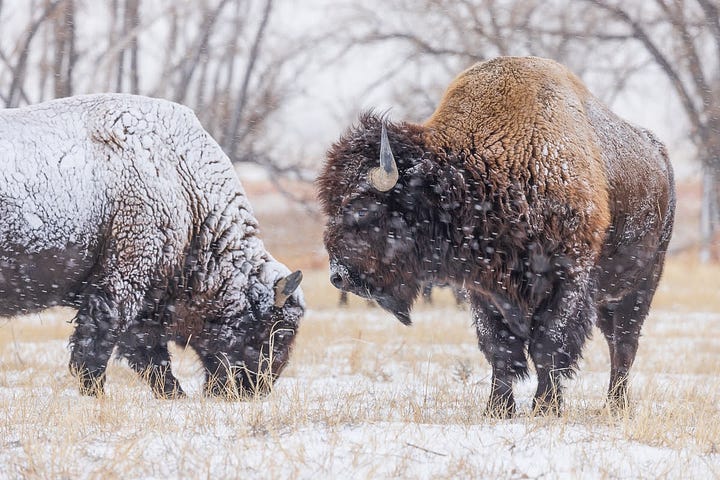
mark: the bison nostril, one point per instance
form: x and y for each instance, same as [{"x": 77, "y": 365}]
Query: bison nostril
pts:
[{"x": 336, "y": 280}]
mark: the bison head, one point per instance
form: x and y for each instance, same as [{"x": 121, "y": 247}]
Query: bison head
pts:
[
  {"x": 245, "y": 352},
  {"x": 372, "y": 192}
]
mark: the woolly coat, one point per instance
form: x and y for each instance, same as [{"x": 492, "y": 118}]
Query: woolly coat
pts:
[
  {"x": 128, "y": 199},
  {"x": 527, "y": 191}
]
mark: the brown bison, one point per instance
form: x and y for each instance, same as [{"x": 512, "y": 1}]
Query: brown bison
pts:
[
  {"x": 524, "y": 189},
  {"x": 124, "y": 208}
]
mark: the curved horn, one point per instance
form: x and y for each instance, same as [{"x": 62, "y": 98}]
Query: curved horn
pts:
[
  {"x": 384, "y": 177},
  {"x": 286, "y": 286}
]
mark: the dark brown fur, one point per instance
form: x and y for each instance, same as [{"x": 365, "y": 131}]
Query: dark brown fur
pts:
[{"x": 526, "y": 191}]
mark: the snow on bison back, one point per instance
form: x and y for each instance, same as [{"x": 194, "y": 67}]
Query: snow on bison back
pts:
[
  {"x": 527, "y": 191},
  {"x": 124, "y": 208}
]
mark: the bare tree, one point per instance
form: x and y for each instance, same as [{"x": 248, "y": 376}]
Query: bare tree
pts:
[
  {"x": 132, "y": 20},
  {"x": 19, "y": 70},
  {"x": 434, "y": 39},
  {"x": 227, "y": 59},
  {"x": 190, "y": 61},
  {"x": 65, "y": 55},
  {"x": 682, "y": 38},
  {"x": 241, "y": 102}
]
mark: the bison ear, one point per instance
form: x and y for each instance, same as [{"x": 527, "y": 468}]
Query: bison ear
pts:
[
  {"x": 286, "y": 286},
  {"x": 384, "y": 177}
]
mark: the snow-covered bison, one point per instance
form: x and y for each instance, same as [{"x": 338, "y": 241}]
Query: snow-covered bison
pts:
[
  {"x": 124, "y": 208},
  {"x": 552, "y": 212}
]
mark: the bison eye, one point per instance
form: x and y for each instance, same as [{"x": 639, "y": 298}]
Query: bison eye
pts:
[
  {"x": 361, "y": 216},
  {"x": 357, "y": 217}
]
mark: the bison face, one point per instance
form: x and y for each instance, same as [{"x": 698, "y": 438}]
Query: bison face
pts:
[
  {"x": 266, "y": 354},
  {"x": 246, "y": 353},
  {"x": 370, "y": 252},
  {"x": 373, "y": 223}
]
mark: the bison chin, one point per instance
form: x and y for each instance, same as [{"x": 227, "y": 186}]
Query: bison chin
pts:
[
  {"x": 397, "y": 301},
  {"x": 399, "y": 308},
  {"x": 396, "y": 298}
]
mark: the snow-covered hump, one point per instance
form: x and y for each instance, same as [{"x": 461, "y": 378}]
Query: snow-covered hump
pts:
[{"x": 76, "y": 169}]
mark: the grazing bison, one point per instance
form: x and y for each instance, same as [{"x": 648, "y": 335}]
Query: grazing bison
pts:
[
  {"x": 552, "y": 212},
  {"x": 124, "y": 208}
]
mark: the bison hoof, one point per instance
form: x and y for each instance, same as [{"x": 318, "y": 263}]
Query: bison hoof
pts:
[
  {"x": 222, "y": 390},
  {"x": 618, "y": 398},
  {"x": 501, "y": 410},
  {"x": 543, "y": 408},
  {"x": 230, "y": 391},
  {"x": 92, "y": 387},
  {"x": 91, "y": 382},
  {"x": 618, "y": 406},
  {"x": 173, "y": 393}
]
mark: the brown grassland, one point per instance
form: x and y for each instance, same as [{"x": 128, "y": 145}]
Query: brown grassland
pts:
[{"x": 365, "y": 397}]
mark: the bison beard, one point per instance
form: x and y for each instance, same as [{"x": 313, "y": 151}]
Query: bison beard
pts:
[{"x": 553, "y": 213}]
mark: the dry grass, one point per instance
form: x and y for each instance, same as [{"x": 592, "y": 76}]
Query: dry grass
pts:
[{"x": 366, "y": 397}]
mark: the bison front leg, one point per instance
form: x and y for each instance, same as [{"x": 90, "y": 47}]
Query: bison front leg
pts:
[
  {"x": 144, "y": 344},
  {"x": 114, "y": 299},
  {"x": 504, "y": 351},
  {"x": 559, "y": 333},
  {"x": 96, "y": 329}
]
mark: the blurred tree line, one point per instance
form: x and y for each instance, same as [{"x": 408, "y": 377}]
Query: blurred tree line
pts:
[
  {"x": 611, "y": 41},
  {"x": 223, "y": 59},
  {"x": 220, "y": 57}
]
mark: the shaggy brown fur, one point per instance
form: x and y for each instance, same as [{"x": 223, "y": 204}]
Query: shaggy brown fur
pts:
[{"x": 524, "y": 189}]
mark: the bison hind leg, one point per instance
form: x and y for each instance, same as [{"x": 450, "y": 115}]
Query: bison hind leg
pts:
[
  {"x": 620, "y": 323},
  {"x": 144, "y": 346}
]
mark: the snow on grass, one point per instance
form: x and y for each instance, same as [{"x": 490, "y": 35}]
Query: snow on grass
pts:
[{"x": 365, "y": 397}]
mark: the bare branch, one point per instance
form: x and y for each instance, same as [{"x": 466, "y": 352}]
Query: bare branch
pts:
[
  {"x": 420, "y": 43},
  {"x": 665, "y": 64},
  {"x": 677, "y": 19},
  {"x": 190, "y": 62},
  {"x": 249, "y": 69},
  {"x": 712, "y": 17},
  {"x": 132, "y": 20},
  {"x": 19, "y": 70}
]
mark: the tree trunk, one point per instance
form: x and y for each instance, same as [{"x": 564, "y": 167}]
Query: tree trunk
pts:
[
  {"x": 232, "y": 128},
  {"x": 18, "y": 78},
  {"x": 710, "y": 213},
  {"x": 64, "y": 50},
  {"x": 132, "y": 20},
  {"x": 121, "y": 53}
]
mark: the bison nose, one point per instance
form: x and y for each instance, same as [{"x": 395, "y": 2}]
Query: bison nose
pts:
[{"x": 336, "y": 280}]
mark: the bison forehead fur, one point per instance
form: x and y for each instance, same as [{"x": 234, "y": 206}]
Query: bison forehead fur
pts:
[
  {"x": 126, "y": 209},
  {"x": 527, "y": 191}
]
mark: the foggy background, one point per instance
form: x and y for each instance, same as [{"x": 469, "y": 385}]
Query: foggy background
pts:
[{"x": 276, "y": 81}]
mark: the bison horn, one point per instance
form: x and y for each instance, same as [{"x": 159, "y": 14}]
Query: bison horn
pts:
[
  {"x": 384, "y": 177},
  {"x": 286, "y": 286}
]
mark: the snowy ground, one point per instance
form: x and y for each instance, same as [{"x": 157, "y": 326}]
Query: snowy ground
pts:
[{"x": 366, "y": 398}]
